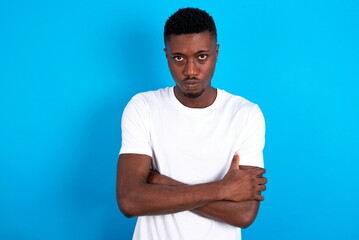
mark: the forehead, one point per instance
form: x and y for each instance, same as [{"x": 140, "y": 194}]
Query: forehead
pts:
[{"x": 193, "y": 42}]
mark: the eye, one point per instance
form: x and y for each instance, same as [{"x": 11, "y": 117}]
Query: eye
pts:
[
  {"x": 202, "y": 57},
  {"x": 178, "y": 58}
]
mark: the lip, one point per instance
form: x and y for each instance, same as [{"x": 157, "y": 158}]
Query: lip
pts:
[{"x": 190, "y": 84}]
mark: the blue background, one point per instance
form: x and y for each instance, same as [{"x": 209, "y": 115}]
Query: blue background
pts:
[{"x": 67, "y": 69}]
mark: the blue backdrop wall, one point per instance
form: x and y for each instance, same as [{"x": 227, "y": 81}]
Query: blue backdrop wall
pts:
[{"x": 67, "y": 69}]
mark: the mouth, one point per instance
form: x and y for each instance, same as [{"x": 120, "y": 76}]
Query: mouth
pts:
[{"x": 191, "y": 83}]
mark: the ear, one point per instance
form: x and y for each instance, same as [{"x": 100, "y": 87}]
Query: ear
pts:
[
  {"x": 217, "y": 50},
  {"x": 165, "y": 50}
]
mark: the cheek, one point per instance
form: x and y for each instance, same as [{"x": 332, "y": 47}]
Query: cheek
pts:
[
  {"x": 208, "y": 70},
  {"x": 176, "y": 71}
]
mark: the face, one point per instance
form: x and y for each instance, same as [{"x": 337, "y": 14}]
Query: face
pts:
[{"x": 192, "y": 59}]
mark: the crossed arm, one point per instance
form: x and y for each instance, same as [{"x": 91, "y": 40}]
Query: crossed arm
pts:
[{"x": 233, "y": 199}]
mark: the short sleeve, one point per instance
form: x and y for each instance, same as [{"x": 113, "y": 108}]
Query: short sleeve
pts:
[
  {"x": 252, "y": 145},
  {"x": 135, "y": 127}
]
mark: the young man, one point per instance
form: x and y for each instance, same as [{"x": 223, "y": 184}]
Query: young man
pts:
[{"x": 191, "y": 160}]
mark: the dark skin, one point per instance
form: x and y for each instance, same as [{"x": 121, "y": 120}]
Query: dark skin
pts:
[
  {"x": 242, "y": 214},
  {"x": 142, "y": 191},
  {"x": 192, "y": 59},
  {"x": 233, "y": 199}
]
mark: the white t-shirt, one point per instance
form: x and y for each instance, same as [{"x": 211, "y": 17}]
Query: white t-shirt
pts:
[{"x": 191, "y": 145}]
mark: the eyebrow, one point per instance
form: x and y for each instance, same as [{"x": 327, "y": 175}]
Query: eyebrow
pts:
[{"x": 200, "y": 51}]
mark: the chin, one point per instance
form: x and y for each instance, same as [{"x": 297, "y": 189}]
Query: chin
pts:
[{"x": 193, "y": 94}]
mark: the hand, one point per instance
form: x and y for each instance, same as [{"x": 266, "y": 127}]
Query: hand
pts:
[{"x": 243, "y": 185}]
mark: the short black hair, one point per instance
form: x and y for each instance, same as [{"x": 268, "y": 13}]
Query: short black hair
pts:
[{"x": 189, "y": 20}]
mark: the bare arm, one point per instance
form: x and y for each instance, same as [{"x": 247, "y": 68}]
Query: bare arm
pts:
[
  {"x": 240, "y": 214},
  {"x": 137, "y": 197}
]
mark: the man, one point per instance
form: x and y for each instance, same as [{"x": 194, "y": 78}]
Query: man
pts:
[{"x": 178, "y": 168}]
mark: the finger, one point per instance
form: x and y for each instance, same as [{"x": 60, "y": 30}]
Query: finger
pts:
[
  {"x": 259, "y": 171},
  {"x": 255, "y": 170},
  {"x": 261, "y": 188},
  {"x": 258, "y": 197},
  {"x": 261, "y": 180},
  {"x": 235, "y": 161}
]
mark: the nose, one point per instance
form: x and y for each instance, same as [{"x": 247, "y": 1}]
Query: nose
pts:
[{"x": 191, "y": 68}]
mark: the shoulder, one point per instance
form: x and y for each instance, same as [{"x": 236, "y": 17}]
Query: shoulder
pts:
[
  {"x": 238, "y": 104},
  {"x": 149, "y": 98}
]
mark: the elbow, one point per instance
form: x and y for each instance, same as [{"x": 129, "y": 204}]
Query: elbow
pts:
[
  {"x": 246, "y": 218},
  {"x": 126, "y": 206},
  {"x": 245, "y": 221}
]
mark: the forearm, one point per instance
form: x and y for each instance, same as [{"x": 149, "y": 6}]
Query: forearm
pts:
[
  {"x": 150, "y": 199},
  {"x": 137, "y": 197},
  {"x": 239, "y": 214},
  {"x": 140, "y": 192}
]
